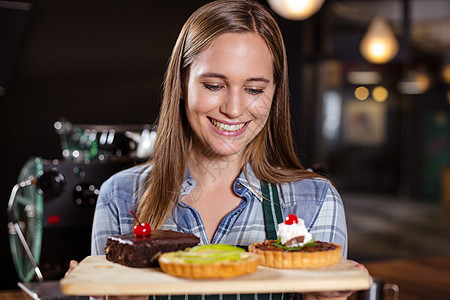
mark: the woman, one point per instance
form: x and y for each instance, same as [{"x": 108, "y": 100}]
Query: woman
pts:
[{"x": 223, "y": 132}]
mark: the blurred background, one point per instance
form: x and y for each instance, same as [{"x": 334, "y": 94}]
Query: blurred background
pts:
[{"x": 370, "y": 102}]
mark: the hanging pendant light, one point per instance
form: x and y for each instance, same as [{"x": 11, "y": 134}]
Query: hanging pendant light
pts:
[
  {"x": 296, "y": 9},
  {"x": 379, "y": 44}
]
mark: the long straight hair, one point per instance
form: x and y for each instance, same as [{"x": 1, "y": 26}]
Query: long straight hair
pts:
[{"x": 271, "y": 153}]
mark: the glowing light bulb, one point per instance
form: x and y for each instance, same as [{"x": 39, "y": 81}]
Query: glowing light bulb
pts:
[
  {"x": 379, "y": 44},
  {"x": 378, "y": 48},
  {"x": 295, "y": 9},
  {"x": 297, "y": 6}
]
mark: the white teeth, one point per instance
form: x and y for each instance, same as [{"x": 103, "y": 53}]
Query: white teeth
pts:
[{"x": 227, "y": 127}]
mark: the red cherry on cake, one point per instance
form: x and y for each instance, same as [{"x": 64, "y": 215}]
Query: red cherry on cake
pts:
[
  {"x": 291, "y": 219},
  {"x": 141, "y": 229}
]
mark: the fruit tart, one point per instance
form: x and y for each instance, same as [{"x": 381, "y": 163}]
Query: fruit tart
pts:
[
  {"x": 209, "y": 261},
  {"x": 296, "y": 248}
]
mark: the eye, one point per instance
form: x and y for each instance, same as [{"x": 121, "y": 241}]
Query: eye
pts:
[
  {"x": 212, "y": 87},
  {"x": 255, "y": 91}
]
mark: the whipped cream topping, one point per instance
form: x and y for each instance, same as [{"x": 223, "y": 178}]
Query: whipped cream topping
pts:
[
  {"x": 121, "y": 241},
  {"x": 288, "y": 232}
]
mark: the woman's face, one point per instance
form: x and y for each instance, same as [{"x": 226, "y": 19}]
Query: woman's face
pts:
[{"x": 229, "y": 94}]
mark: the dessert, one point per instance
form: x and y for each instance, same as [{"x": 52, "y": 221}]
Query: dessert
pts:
[
  {"x": 296, "y": 248},
  {"x": 142, "y": 247},
  {"x": 142, "y": 252},
  {"x": 208, "y": 262}
]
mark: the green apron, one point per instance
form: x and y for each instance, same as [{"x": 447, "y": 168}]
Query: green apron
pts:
[{"x": 272, "y": 217}]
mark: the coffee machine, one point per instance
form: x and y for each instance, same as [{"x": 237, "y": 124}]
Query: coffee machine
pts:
[{"x": 51, "y": 207}]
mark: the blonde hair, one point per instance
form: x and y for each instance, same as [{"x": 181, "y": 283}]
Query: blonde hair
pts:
[{"x": 271, "y": 154}]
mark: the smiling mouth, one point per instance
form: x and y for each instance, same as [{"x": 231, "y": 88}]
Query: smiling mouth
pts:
[{"x": 227, "y": 127}]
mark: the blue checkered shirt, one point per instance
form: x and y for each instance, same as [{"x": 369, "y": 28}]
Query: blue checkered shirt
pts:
[{"x": 314, "y": 200}]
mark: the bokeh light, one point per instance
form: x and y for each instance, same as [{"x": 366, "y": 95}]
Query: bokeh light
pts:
[
  {"x": 380, "y": 93},
  {"x": 361, "y": 93}
]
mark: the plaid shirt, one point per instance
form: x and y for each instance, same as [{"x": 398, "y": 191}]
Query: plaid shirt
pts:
[{"x": 314, "y": 200}]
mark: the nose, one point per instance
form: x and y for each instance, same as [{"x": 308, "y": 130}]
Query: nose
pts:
[{"x": 233, "y": 104}]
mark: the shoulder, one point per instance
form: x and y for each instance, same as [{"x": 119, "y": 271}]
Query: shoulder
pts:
[
  {"x": 318, "y": 203},
  {"x": 311, "y": 190},
  {"x": 128, "y": 176},
  {"x": 126, "y": 182}
]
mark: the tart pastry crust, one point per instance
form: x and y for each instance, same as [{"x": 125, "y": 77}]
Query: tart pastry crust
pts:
[
  {"x": 223, "y": 269},
  {"x": 295, "y": 259}
]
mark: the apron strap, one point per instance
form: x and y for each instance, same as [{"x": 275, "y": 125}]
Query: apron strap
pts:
[{"x": 271, "y": 208}]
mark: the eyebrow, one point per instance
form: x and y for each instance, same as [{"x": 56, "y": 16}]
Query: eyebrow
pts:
[{"x": 221, "y": 76}]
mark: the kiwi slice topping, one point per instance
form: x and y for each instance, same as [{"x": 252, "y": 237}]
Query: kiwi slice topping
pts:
[{"x": 209, "y": 254}]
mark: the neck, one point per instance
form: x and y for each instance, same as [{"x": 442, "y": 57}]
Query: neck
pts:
[{"x": 214, "y": 171}]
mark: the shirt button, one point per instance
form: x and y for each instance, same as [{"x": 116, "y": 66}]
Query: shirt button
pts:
[{"x": 239, "y": 186}]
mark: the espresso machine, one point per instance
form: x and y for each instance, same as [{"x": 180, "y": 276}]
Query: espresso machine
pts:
[{"x": 51, "y": 207}]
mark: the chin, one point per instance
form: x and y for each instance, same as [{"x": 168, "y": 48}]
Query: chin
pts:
[{"x": 226, "y": 150}]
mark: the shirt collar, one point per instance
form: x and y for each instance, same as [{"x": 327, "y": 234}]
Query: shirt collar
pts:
[
  {"x": 251, "y": 183},
  {"x": 188, "y": 183}
]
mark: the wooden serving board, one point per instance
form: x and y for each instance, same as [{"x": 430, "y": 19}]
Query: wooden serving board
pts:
[{"x": 97, "y": 276}]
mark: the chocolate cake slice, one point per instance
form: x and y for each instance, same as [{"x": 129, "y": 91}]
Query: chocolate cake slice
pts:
[{"x": 142, "y": 252}]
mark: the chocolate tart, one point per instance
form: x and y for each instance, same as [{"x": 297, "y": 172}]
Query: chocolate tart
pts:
[
  {"x": 322, "y": 254},
  {"x": 143, "y": 252}
]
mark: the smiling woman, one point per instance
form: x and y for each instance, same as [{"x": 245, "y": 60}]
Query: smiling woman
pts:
[{"x": 224, "y": 145}]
